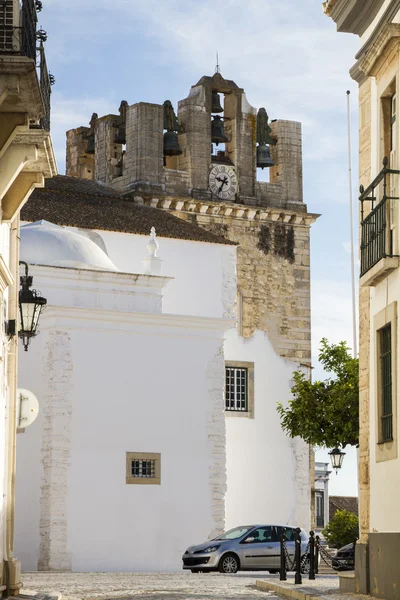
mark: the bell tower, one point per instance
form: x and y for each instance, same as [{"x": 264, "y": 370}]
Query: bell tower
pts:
[{"x": 201, "y": 163}]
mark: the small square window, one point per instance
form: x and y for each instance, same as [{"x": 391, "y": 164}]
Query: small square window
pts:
[
  {"x": 143, "y": 468},
  {"x": 239, "y": 388}
]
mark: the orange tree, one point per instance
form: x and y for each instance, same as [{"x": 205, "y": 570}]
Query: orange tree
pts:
[{"x": 325, "y": 413}]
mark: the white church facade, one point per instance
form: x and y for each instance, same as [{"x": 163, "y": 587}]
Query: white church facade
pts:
[{"x": 158, "y": 381}]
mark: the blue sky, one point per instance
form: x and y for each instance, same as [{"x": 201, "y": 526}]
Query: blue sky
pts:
[{"x": 286, "y": 55}]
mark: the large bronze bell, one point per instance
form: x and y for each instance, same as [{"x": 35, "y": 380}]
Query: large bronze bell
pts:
[
  {"x": 171, "y": 145},
  {"x": 264, "y": 157},
  {"x": 217, "y": 131},
  {"x": 90, "y": 144},
  {"x": 215, "y": 103}
]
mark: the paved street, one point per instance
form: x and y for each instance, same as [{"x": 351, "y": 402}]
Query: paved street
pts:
[{"x": 174, "y": 586}]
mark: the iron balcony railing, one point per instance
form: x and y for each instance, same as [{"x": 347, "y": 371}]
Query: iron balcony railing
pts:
[
  {"x": 18, "y": 25},
  {"x": 19, "y": 35},
  {"x": 376, "y": 231}
]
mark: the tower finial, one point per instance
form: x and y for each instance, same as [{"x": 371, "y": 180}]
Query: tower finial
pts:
[{"x": 217, "y": 70}]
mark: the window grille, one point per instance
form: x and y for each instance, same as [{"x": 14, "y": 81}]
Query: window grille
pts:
[
  {"x": 385, "y": 335},
  {"x": 236, "y": 389},
  {"x": 143, "y": 468},
  {"x": 8, "y": 31}
]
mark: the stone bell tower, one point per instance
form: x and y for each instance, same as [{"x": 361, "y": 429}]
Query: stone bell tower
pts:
[{"x": 202, "y": 165}]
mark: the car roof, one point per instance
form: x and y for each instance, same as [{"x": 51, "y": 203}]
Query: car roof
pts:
[{"x": 270, "y": 525}]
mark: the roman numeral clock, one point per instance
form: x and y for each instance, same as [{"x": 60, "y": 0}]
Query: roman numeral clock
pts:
[{"x": 223, "y": 182}]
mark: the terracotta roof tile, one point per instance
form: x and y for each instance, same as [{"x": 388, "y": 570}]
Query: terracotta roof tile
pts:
[
  {"x": 83, "y": 203},
  {"x": 349, "y": 503}
]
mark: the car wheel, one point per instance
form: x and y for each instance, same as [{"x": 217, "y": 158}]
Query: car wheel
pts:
[{"x": 228, "y": 564}]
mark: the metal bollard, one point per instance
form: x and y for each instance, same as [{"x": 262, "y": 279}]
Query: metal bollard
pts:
[
  {"x": 316, "y": 554},
  {"x": 297, "y": 538},
  {"x": 282, "y": 572},
  {"x": 312, "y": 556}
]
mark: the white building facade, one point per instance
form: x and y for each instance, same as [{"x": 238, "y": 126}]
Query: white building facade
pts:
[{"x": 138, "y": 364}]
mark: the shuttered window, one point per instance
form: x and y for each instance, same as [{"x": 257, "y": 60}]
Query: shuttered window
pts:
[{"x": 385, "y": 338}]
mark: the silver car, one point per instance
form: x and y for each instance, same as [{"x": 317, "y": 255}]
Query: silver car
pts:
[{"x": 245, "y": 548}]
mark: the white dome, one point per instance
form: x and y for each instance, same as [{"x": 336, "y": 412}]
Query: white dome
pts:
[{"x": 43, "y": 243}]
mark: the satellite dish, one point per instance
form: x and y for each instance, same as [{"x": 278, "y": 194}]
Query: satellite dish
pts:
[{"x": 27, "y": 408}]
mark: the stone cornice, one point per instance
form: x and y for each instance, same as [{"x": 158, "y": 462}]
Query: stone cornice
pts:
[
  {"x": 328, "y": 6},
  {"x": 223, "y": 209},
  {"x": 66, "y": 317},
  {"x": 352, "y": 16},
  {"x": 372, "y": 59}
]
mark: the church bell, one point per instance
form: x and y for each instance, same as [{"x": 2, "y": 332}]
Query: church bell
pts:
[
  {"x": 264, "y": 157},
  {"x": 90, "y": 144},
  {"x": 218, "y": 131},
  {"x": 171, "y": 145},
  {"x": 216, "y": 104}
]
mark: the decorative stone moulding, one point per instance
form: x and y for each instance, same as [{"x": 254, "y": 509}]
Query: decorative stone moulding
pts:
[{"x": 227, "y": 210}]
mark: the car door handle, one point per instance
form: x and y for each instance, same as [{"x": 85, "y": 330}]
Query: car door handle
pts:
[{"x": 269, "y": 547}]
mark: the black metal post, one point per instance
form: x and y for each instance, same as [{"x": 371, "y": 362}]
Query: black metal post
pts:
[
  {"x": 297, "y": 555},
  {"x": 316, "y": 553},
  {"x": 282, "y": 571},
  {"x": 312, "y": 557}
]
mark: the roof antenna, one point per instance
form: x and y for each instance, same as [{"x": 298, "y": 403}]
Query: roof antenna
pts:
[{"x": 217, "y": 69}]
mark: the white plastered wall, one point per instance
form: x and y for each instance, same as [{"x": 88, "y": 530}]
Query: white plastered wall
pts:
[
  {"x": 268, "y": 472},
  {"x": 110, "y": 384}
]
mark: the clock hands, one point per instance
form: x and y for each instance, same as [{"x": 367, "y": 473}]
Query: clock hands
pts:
[{"x": 223, "y": 181}]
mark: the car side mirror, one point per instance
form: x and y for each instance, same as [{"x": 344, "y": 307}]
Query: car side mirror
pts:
[{"x": 249, "y": 540}]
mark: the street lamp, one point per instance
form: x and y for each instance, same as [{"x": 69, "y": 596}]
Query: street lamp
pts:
[
  {"x": 30, "y": 307},
  {"x": 336, "y": 458}
]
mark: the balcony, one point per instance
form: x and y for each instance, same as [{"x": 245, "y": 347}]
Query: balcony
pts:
[
  {"x": 378, "y": 245},
  {"x": 21, "y": 40}
]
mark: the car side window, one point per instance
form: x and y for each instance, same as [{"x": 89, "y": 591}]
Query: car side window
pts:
[
  {"x": 290, "y": 533},
  {"x": 261, "y": 535}
]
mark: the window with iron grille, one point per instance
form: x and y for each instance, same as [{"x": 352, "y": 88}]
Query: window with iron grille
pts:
[
  {"x": 143, "y": 467},
  {"x": 236, "y": 388},
  {"x": 385, "y": 347}
]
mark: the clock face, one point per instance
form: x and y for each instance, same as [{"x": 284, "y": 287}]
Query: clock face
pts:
[{"x": 223, "y": 182}]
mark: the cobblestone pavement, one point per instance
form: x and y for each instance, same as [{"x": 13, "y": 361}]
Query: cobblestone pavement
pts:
[{"x": 151, "y": 586}]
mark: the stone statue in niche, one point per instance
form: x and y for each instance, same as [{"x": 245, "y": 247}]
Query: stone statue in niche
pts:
[
  {"x": 170, "y": 120},
  {"x": 263, "y": 129}
]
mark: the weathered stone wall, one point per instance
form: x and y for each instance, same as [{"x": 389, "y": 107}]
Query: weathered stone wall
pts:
[
  {"x": 273, "y": 273},
  {"x": 55, "y": 453},
  {"x": 273, "y": 266},
  {"x": 143, "y": 162},
  {"x": 108, "y": 154},
  {"x": 78, "y": 162}
]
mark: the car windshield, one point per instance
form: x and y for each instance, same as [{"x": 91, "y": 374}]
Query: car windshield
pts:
[{"x": 234, "y": 534}]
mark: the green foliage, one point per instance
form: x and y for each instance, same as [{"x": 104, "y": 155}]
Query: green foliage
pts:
[
  {"x": 342, "y": 529},
  {"x": 325, "y": 413}
]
